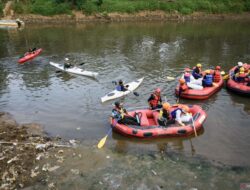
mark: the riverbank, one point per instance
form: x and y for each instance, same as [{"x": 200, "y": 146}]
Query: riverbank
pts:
[{"x": 78, "y": 17}]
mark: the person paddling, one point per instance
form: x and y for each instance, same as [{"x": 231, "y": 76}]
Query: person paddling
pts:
[
  {"x": 164, "y": 116},
  {"x": 121, "y": 115},
  {"x": 67, "y": 64},
  {"x": 121, "y": 87},
  {"x": 207, "y": 79},
  {"x": 155, "y": 100}
]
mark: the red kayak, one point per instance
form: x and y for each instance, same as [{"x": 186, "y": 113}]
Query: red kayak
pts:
[
  {"x": 29, "y": 56},
  {"x": 202, "y": 94},
  {"x": 150, "y": 127},
  {"x": 239, "y": 88}
]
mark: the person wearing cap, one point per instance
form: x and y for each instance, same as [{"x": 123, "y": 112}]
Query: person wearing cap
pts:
[
  {"x": 121, "y": 115},
  {"x": 164, "y": 115},
  {"x": 207, "y": 79},
  {"x": 237, "y": 69},
  {"x": 155, "y": 100},
  {"x": 179, "y": 114},
  {"x": 121, "y": 87},
  {"x": 197, "y": 71},
  {"x": 216, "y": 74},
  {"x": 67, "y": 64},
  {"x": 241, "y": 75}
]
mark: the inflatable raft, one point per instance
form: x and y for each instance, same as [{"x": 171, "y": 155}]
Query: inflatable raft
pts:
[
  {"x": 29, "y": 56},
  {"x": 239, "y": 88},
  {"x": 202, "y": 94},
  {"x": 150, "y": 128}
]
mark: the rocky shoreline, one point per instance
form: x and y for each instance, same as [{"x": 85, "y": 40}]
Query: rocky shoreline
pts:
[
  {"x": 27, "y": 154},
  {"x": 79, "y": 17}
]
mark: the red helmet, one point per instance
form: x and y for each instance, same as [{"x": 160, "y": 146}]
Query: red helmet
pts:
[
  {"x": 217, "y": 67},
  {"x": 158, "y": 90}
]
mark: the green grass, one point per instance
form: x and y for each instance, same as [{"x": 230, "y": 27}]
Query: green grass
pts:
[{"x": 52, "y": 7}]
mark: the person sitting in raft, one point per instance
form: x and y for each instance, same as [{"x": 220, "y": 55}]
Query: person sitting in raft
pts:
[
  {"x": 121, "y": 86},
  {"x": 207, "y": 79},
  {"x": 240, "y": 77},
  {"x": 216, "y": 74},
  {"x": 182, "y": 86},
  {"x": 155, "y": 100},
  {"x": 179, "y": 114},
  {"x": 197, "y": 71},
  {"x": 67, "y": 64},
  {"x": 121, "y": 115},
  {"x": 237, "y": 69},
  {"x": 164, "y": 116}
]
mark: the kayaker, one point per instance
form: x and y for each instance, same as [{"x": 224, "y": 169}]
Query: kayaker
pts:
[
  {"x": 207, "y": 79},
  {"x": 121, "y": 115},
  {"x": 155, "y": 100},
  {"x": 197, "y": 71},
  {"x": 121, "y": 87},
  {"x": 179, "y": 114},
  {"x": 240, "y": 77},
  {"x": 216, "y": 74},
  {"x": 67, "y": 64},
  {"x": 164, "y": 116}
]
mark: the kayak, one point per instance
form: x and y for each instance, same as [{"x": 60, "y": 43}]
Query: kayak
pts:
[
  {"x": 117, "y": 94},
  {"x": 29, "y": 56},
  {"x": 200, "y": 94},
  {"x": 11, "y": 23},
  {"x": 74, "y": 70},
  {"x": 150, "y": 128},
  {"x": 239, "y": 88}
]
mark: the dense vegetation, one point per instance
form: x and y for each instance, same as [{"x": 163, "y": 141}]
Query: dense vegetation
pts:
[{"x": 51, "y": 7}]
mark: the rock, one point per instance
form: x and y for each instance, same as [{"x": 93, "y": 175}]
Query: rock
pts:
[
  {"x": 51, "y": 169},
  {"x": 12, "y": 160},
  {"x": 75, "y": 171},
  {"x": 33, "y": 173},
  {"x": 153, "y": 172}
]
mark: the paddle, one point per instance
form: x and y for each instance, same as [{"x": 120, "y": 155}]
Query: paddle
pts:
[
  {"x": 135, "y": 93},
  {"x": 82, "y": 63},
  {"x": 103, "y": 140},
  {"x": 193, "y": 125}
]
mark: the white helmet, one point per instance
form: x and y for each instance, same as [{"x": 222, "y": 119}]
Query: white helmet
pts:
[
  {"x": 240, "y": 64},
  {"x": 66, "y": 59}
]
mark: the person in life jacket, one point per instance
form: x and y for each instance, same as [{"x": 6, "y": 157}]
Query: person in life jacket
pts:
[
  {"x": 67, "y": 64},
  {"x": 237, "y": 69},
  {"x": 216, "y": 74},
  {"x": 187, "y": 75},
  {"x": 182, "y": 86},
  {"x": 197, "y": 71},
  {"x": 207, "y": 79},
  {"x": 120, "y": 114},
  {"x": 179, "y": 114},
  {"x": 155, "y": 100},
  {"x": 164, "y": 118},
  {"x": 240, "y": 77},
  {"x": 121, "y": 87}
]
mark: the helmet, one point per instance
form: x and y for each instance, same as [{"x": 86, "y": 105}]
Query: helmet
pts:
[
  {"x": 198, "y": 65},
  {"x": 120, "y": 81},
  {"x": 166, "y": 106},
  {"x": 185, "y": 108},
  {"x": 207, "y": 71},
  {"x": 158, "y": 90},
  {"x": 217, "y": 67},
  {"x": 240, "y": 64},
  {"x": 242, "y": 69},
  {"x": 117, "y": 104},
  {"x": 66, "y": 59},
  {"x": 187, "y": 70},
  {"x": 181, "y": 81}
]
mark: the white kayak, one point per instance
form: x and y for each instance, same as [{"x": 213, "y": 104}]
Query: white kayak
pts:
[
  {"x": 74, "y": 70},
  {"x": 117, "y": 94}
]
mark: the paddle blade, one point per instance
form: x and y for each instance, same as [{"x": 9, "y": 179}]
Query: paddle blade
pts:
[
  {"x": 136, "y": 93},
  {"x": 82, "y": 63},
  {"x": 102, "y": 142},
  {"x": 222, "y": 73},
  {"x": 58, "y": 71},
  {"x": 226, "y": 77},
  {"x": 170, "y": 78}
]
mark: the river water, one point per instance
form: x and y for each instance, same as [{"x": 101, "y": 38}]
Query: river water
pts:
[{"x": 69, "y": 106}]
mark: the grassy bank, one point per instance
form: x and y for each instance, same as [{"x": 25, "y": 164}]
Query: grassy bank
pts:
[{"x": 53, "y": 7}]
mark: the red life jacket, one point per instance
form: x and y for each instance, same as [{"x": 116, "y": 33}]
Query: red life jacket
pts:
[
  {"x": 155, "y": 101},
  {"x": 217, "y": 76},
  {"x": 183, "y": 87}
]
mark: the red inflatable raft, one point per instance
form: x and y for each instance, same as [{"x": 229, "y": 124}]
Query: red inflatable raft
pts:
[
  {"x": 203, "y": 94},
  {"x": 29, "y": 56},
  {"x": 240, "y": 88},
  {"x": 150, "y": 128}
]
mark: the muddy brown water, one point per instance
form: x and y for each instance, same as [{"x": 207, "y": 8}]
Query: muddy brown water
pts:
[{"x": 69, "y": 105}]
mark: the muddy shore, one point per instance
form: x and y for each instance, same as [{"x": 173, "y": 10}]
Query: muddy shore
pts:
[{"x": 79, "y": 17}]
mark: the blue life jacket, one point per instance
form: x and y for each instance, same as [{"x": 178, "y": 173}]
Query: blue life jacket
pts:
[
  {"x": 187, "y": 77},
  {"x": 117, "y": 115},
  {"x": 173, "y": 113},
  {"x": 196, "y": 75},
  {"x": 120, "y": 88},
  {"x": 208, "y": 80}
]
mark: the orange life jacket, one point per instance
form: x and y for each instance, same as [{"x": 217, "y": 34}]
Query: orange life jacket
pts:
[
  {"x": 183, "y": 87},
  {"x": 217, "y": 76}
]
